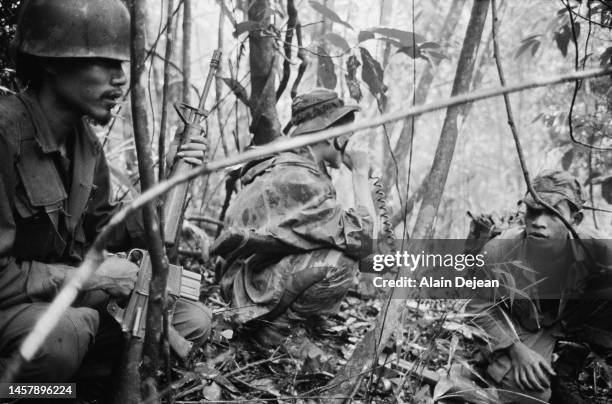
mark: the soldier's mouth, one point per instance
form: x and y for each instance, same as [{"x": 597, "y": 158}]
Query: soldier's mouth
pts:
[{"x": 536, "y": 234}]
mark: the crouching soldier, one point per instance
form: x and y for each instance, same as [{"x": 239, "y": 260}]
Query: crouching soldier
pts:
[
  {"x": 552, "y": 289},
  {"x": 55, "y": 191},
  {"x": 289, "y": 247}
]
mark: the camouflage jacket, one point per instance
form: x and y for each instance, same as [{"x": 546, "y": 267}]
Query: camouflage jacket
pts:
[{"x": 288, "y": 204}]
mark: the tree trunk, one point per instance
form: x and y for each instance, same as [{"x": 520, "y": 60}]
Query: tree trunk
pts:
[
  {"x": 157, "y": 253},
  {"x": 265, "y": 125},
  {"x": 403, "y": 143},
  {"x": 434, "y": 187},
  {"x": 363, "y": 360}
]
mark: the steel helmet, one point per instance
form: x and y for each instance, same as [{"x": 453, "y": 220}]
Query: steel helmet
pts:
[{"x": 74, "y": 29}]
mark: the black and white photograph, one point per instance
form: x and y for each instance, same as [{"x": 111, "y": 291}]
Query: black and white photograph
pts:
[{"x": 306, "y": 201}]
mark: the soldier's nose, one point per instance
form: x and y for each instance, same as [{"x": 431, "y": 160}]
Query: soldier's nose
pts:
[{"x": 119, "y": 79}]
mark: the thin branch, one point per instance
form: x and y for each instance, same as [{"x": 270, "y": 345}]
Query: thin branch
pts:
[
  {"x": 292, "y": 21},
  {"x": 94, "y": 256},
  {"x": 577, "y": 84},
  {"x": 302, "y": 56},
  {"x": 517, "y": 141},
  {"x": 227, "y": 12},
  {"x": 590, "y": 20}
]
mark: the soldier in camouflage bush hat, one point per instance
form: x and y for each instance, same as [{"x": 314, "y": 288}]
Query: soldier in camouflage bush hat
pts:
[
  {"x": 555, "y": 186},
  {"x": 555, "y": 291},
  {"x": 317, "y": 110},
  {"x": 290, "y": 248}
]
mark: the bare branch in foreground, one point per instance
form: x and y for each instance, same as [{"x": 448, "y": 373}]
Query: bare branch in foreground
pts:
[{"x": 94, "y": 256}]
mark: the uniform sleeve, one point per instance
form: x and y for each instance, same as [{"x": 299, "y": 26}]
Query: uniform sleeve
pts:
[
  {"x": 129, "y": 234},
  {"x": 488, "y": 311},
  {"x": 20, "y": 281}
]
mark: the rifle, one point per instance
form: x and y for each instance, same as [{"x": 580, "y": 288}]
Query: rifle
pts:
[{"x": 180, "y": 283}]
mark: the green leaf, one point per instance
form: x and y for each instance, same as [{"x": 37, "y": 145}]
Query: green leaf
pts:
[
  {"x": 364, "y": 36},
  {"x": 393, "y": 42},
  {"x": 328, "y": 13},
  {"x": 326, "y": 71},
  {"x": 606, "y": 57},
  {"x": 246, "y": 26},
  {"x": 562, "y": 38},
  {"x": 567, "y": 159},
  {"x": 531, "y": 44},
  {"x": 405, "y": 38},
  {"x": 429, "y": 45},
  {"x": 351, "y": 78},
  {"x": 372, "y": 73},
  {"x": 433, "y": 54},
  {"x": 606, "y": 190},
  {"x": 336, "y": 40},
  {"x": 410, "y": 51}
]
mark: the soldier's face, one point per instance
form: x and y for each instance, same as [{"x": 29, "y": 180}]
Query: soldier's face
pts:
[
  {"x": 332, "y": 155},
  {"x": 91, "y": 86},
  {"x": 542, "y": 225}
]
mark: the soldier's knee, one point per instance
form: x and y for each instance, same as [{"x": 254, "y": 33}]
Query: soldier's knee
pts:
[
  {"x": 63, "y": 351},
  {"x": 192, "y": 320}
]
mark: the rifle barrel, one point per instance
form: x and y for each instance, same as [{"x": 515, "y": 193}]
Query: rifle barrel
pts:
[{"x": 214, "y": 65}]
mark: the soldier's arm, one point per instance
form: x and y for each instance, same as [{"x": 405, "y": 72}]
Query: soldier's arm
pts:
[
  {"x": 357, "y": 162},
  {"x": 20, "y": 281},
  {"x": 101, "y": 208}
]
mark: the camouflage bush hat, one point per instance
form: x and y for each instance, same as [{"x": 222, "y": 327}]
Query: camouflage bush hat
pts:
[
  {"x": 555, "y": 186},
  {"x": 317, "y": 110}
]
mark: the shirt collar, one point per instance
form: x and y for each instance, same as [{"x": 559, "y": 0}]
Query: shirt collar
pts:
[{"x": 44, "y": 137}]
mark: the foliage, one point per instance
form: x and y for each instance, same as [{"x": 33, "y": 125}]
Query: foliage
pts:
[{"x": 8, "y": 10}]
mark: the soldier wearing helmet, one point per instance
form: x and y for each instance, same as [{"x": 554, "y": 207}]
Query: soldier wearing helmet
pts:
[
  {"x": 289, "y": 247},
  {"x": 55, "y": 192},
  {"x": 557, "y": 291}
]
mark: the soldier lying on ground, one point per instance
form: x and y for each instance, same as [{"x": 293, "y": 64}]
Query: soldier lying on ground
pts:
[
  {"x": 55, "y": 189},
  {"x": 555, "y": 292},
  {"x": 290, "y": 249}
]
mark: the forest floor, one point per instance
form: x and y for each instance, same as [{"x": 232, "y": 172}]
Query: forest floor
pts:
[{"x": 429, "y": 358}]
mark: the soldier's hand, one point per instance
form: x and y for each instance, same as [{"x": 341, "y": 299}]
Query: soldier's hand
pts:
[
  {"x": 116, "y": 276},
  {"x": 530, "y": 370},
  {"x": 194, "y": 152},
  {"x": 356, "y": 160}
]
